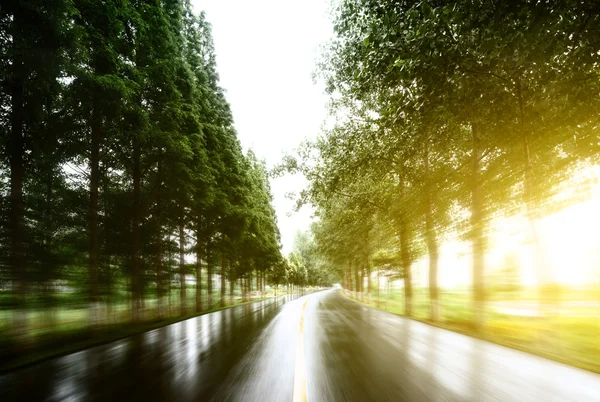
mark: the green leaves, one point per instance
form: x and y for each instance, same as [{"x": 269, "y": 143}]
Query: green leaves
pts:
[{"x": 449, "y": 103}]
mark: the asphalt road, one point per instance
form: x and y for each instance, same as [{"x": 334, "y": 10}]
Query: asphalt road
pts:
[{"x": 320, "y": 347}]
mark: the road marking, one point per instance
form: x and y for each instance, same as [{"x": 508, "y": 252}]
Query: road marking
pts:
[{"x": 299, "y": 373}]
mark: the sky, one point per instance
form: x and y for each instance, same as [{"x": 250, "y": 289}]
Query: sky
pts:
[{"x": 266, "y": 55}]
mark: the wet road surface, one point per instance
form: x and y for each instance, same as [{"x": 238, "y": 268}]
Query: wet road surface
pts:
[{"x": 320, "y": 347}]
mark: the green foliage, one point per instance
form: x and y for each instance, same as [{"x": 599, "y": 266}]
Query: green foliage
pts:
[{"x": 447, "y": 115}]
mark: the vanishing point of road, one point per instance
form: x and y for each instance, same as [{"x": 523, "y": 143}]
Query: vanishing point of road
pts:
[{"x": 319, "y": 347}]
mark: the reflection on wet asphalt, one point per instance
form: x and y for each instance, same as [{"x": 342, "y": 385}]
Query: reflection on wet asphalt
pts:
[{"x": 352, "y": 353}]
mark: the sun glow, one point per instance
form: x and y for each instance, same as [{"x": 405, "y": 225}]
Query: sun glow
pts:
[
  {"x": 562, "y": 247},
  {"x": 569, "y": 241}
]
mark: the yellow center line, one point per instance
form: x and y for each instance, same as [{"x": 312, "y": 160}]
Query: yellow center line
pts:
[{"x": 300, "y": 374}]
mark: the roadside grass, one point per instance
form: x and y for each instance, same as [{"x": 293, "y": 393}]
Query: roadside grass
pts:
[
  {"x": 72, "y": 335},
  {"x": 568, "y": 334}
]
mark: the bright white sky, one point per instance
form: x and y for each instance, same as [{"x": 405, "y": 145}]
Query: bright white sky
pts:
[{"x": 266, "y": 52}]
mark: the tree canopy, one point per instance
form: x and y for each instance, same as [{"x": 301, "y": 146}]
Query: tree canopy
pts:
[{"x": 446, "y": 115}]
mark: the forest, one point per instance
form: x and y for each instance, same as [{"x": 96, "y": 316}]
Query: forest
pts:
[
  {"x": 125, "y": 195},
  {"x": 447, "y": 118}
]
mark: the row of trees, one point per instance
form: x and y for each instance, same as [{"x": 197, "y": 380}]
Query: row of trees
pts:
[
  {"x": 305, "y": 265},
  {"x": 447, "y": 115},
  {"x": 120, "y": 161}
]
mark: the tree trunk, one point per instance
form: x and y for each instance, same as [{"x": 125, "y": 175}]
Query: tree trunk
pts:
[
  {"x": 135, "y": 251},
  {"x": 363, "y": 274},
  {"x": 209, "y": 274},
  {"x": 356, "y": 281},
  {"x": 257, "y": 280},
  {"x": 48, "y": 266},
  {"x": 477, "y": 229},
  {"x": 169, "y": 273},
  {"x": 223, "y": 271},
  {"x": 408, "y": 293},
  {"x": 346, "y": 280},
  {"x": 17, "y": 206},
  {"x": 243, "y": 288},
  {"x": 431, "y": 239},
  {"x": 378, "y": 287},
  {"x": 159, "y": 259},
  {"x": 433, "y": 277},
  {"x": 527, "y": 177},
  {"x": 349, "y": 281},
  {"x": 106, "y": 262},
  {"x": 543, "y": 276},
  {"x": 182, "y": 289},
  {"x": 198, "y": 268},
  {"x": 231, "y": 284},
  {"x": 369, "y": 284},
  {"x": 93, "y": 211},
  {"x": 405, "y": 258},
  {"x": 159, "y": 249}
]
